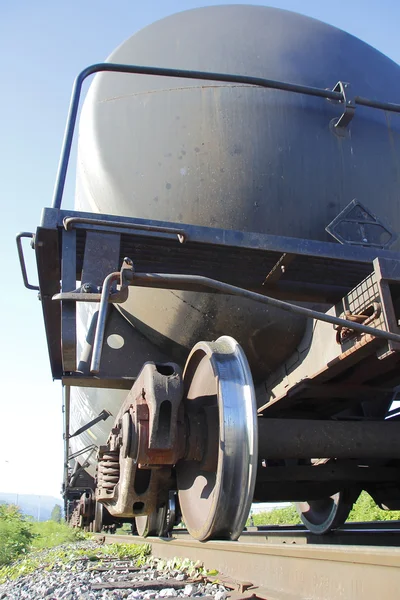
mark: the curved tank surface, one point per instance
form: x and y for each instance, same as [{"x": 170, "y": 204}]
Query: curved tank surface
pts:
[{"x": 236, "y": 156}]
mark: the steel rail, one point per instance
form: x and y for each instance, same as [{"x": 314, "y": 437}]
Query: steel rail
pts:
[
  {"x": 187, "y": 74},
  {"x": 381, "y": 534},
  {"x": 291, "y": 571}
]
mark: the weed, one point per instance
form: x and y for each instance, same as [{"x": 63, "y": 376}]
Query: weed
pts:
[
  {"x": 61, "y": 555},
  {"x": 15, "y": 533},
  {"x": 48, "y": 534}
]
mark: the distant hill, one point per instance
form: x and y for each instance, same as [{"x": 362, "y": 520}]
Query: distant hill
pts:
[{"x": 39, "y": 507}]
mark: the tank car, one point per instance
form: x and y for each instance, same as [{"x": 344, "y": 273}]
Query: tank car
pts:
[{"x": 222, "y": 306}]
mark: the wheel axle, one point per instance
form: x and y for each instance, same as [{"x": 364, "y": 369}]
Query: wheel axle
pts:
[{"x": 304, "y": 438}]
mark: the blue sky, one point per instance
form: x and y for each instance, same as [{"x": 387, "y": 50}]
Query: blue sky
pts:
[{"x": 44, "y": 44}]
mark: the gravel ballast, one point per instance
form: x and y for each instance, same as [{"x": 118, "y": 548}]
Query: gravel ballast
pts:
[{"x": 88, "y": 577}]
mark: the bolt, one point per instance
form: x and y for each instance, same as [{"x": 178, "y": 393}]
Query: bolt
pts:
[{"x": 86, "y": 287}]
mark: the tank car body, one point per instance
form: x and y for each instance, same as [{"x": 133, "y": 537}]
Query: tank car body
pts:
[
  {"x": 228, "y": 167},
  {"x": 233, "y": 157}
]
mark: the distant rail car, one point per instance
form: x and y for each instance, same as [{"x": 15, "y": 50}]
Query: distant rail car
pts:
[{"x": 222, "y": 306}]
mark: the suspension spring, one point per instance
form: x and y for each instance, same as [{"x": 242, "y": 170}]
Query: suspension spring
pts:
[{"x": 108, "y": 469}]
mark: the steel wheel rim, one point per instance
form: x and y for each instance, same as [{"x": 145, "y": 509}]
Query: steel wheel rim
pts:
[
  {"x": 153, "y": 524},
  {"x": 326, "y": 514},
  {"x": 98, "y": 517},
  {"x": 216, "y": 504}
]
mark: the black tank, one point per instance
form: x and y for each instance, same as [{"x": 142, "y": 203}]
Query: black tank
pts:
[{"x": 236, "y": 156}]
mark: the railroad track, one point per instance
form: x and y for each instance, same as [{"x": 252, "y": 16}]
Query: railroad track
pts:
[
  {"x": 285, "y": 563},
  {"x": 385, "y": 533}
]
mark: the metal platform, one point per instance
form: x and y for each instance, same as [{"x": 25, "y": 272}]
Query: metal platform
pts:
[
  {"x": 286, "y": 267},
  {"x": 68, "y": 244},
  {"x": 279, "y": 267}
]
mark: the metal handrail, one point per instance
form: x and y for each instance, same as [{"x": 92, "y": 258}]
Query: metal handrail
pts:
[
  {"x": 339, "y": 96},
  {"x": 31, "y": 236}
]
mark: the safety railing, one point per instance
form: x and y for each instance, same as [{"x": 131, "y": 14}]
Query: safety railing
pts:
[{"x": 340, "y": 93}]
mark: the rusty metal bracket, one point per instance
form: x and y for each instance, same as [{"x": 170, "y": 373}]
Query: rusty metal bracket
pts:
[
  {"x": 147, "y": 439},
  {"x": 387, "y": 273},
  {"x": 369, "y": 314},
  {"x": 124, "y": 488},
  {"x": 162, "y": 389},
  {"x": 84, "y": 294},
  {"x": 279, "y": 269},
  {"x": 151, "y": 422}
]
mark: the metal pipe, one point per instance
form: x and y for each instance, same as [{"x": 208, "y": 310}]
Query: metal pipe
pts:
[
  {"x": 103, "y": 416},
  {"x": 66, "y": 408},
  {"x": 101, "y": 322},
  {"x": 83, "y": 451},
  {"x": 226, "y": 288},
  {"x": 389, "y": 106},
  {"x": 70, "y": 222},
  {"x": 303, "y": 438}
]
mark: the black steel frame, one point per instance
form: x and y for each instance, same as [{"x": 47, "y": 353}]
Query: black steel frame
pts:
[{"x": 277, "y": 266}]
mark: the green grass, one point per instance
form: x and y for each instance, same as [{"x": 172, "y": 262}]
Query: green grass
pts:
[
  {"x": 15, "y": 533},
  {"x": 18, "y": 534},
  {"x": 48, "y": 534},
  {"x": 278, "y": 516},
  {"x": 365, "y": 509},
  {"x": 26, "y": 546},
  {"x": 125, "y": 551}
]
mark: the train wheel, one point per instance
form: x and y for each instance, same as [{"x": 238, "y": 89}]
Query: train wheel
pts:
[
  {"x": 321, "y": 516},
  {"x": 215, "y": 495},
  {"x": 152, "y": 525},
  {"x": 98, "y": 518},
  {"x": 172, "y": 515}
]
